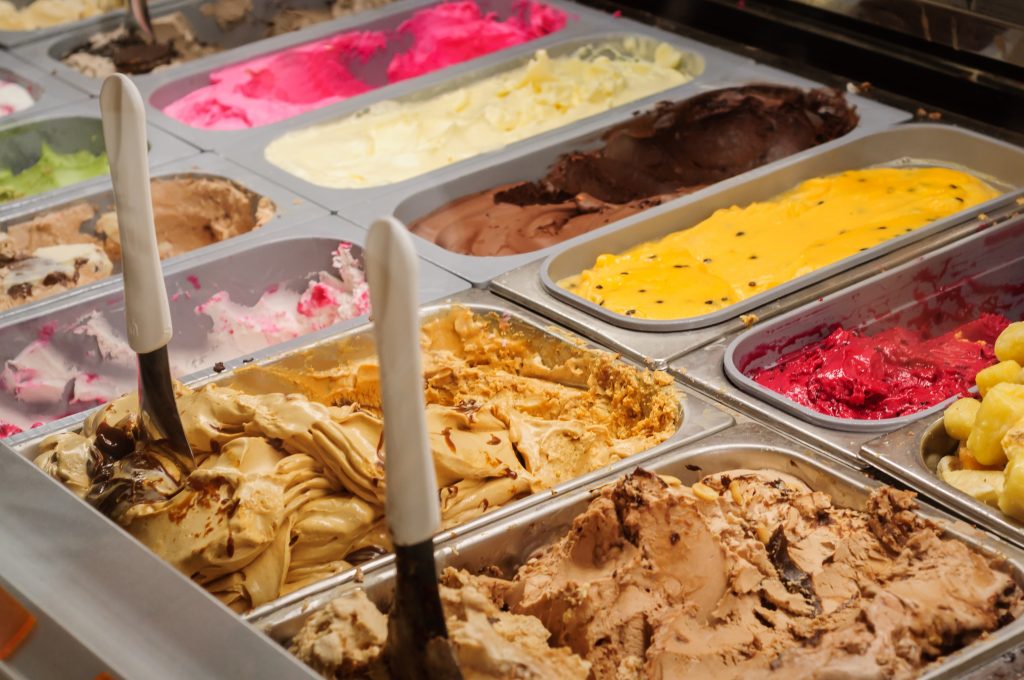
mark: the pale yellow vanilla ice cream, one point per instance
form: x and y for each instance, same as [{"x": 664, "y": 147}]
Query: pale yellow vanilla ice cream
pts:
[
  {"x": 394, "y": 140},
  {"x": 46, "y": 13},
  {"x": 290, "y": 483}
]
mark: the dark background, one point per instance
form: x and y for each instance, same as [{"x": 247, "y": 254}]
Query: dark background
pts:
[{"x": 962, "y": 86}]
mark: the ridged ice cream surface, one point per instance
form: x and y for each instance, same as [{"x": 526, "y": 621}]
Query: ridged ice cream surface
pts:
[{"x": 290, "y": 483}]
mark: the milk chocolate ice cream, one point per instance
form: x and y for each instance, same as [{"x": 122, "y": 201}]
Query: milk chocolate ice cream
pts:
[
  {"x": 290, "y": 483},
  {"x": 752, "y": 574},
  {"x": 674, "y": 149},
  {"x": 72, "y": 246},
  {"x": 747, "y": 574}
]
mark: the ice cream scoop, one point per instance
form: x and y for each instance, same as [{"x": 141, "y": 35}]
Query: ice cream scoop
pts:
[
  {"x": 147, "y": 310},
  {"x": 417, "y": 646}
]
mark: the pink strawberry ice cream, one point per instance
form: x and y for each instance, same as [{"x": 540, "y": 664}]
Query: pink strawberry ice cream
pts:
[
  {"x": 69, "y": 369},
  {"x": 282, "y": 314},
  {"x": 285, "y": 84}
]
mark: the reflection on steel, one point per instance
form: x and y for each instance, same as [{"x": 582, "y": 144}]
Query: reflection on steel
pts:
[{"x": 988, "y": 28}]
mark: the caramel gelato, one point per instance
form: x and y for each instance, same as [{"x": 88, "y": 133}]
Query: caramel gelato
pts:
[
  {"x": 75, "y": 245},
  {"x": 289, "y": 485}
]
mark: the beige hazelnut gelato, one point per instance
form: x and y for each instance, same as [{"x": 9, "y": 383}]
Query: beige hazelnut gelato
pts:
[
  {"x": 346, "y": 640},
  {"x": 74, "y": 245},
  {"x": 290, "y": 484},
  {"x": 752, "y": 574}
]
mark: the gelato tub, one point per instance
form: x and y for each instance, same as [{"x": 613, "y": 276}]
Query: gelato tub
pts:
[
  {"x": 530, "y": 542},
  {"x": 26, "y": 91},
  {"x": 231, "y": 302},
  {"x": 900, "y": 155},
  {"x": 61, "y": 149},
  {"x": 78, "y": 243},
  {"x": 574, "y": 410}
]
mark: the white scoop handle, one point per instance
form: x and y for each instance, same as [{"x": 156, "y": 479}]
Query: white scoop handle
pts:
[
  {"x": 414, "y": 515},
  {"x": 145, "y": 296}
]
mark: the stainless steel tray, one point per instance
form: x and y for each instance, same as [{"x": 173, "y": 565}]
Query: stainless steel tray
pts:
[
  {"x": 509, "y": 543},
  {"x": 287, "y": 254},
  {"x": 47, "y": 91},
  {"x": 162, "y": 88},
  {"x": 14, "y": 38},
  {"x": 291, "y": 211},
  {"x": 68, "y": 129},
  {"x": 911, "y": 455},
  {"x": 529, "y": 161},
  {"x": 711, "y": 64},
  {"x": 524, "y": 286},
  {"x": 116, "y": 600},
  {"x": 985, "y": 272},
  {"x": 700, "y": 417},
  {"x": 1000, "y": 163}
]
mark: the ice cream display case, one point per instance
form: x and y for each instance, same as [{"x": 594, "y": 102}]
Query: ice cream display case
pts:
[{"x": 699, "y": 306}]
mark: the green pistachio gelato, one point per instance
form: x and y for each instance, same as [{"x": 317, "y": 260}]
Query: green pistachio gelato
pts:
[{"x": 52, "y": 171}]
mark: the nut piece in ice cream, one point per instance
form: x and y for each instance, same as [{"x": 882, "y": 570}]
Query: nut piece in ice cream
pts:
[
  {"x": 749, "y": 574},
  {"x": 290, "y": 483}
]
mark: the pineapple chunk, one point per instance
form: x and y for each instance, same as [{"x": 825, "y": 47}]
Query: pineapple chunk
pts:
[
  {"x": 1013, "y": 440},
  {"x": 1010, "y": 343},
  {"x": 984, "y": 485},
  {"x": 1011, "y": 500},
  {"x": 1004, "y": 372},
  {"x": 959, "y": 418},
  {"x": 1002, "y": 407}
]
